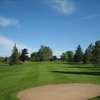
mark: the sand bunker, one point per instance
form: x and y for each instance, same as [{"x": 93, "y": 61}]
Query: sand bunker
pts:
[{"x": 61, "y": 92}]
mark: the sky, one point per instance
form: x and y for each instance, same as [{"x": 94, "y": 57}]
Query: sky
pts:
[{"x": 60, "y": 24}]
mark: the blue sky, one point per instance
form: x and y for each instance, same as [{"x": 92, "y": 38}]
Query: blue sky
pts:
[{"x": 59, "y": 24}]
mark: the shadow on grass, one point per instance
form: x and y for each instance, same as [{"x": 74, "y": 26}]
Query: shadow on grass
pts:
[
  {"x": 83, "y": 67},
  {"x": 80, "y": 73}
]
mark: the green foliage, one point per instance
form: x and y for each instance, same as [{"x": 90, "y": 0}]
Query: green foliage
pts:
[
  {"x": 91, "y": 51},
  {"x": 34, "y": 56},
  {"x": 2, "y": 59},
  {"x": 45, "y": 53},
  {"x": 64, "y": 56},
  {"x": 14, "y": 58},
  {"x": 97, "y": 52},
  {"x": 90, "y": 48},
  {"x": 67, "y": 56},
  {"x": 87, "y": 57},
  {"x": 78, "y": 57},
  {"x": 54, "y": 58},
  {"x": 6, "y": 59},
  {"x": 70, "y": 56},
  {"x": 24, "y": 55}
]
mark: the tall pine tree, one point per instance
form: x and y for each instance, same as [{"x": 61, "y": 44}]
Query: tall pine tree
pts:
[
  {"x": 14, "y": 58},
  {"x": 78, "y": 57},
  {"x": 97, "y": 53}
]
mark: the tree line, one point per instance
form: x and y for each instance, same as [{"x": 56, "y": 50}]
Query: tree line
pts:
[
  {"x": 91, "y": 54},
  {"x": 45, "y": 53}
]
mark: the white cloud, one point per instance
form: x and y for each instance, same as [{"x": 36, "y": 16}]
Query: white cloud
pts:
[
  {"x": 85, "y": 18},
  {"x": 6, "y": 46},
  {"x": 8, "y": 21},
  {"x": 64, "y": 6}
]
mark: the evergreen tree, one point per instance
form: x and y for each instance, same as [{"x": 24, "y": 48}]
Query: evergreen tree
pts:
[
  {"x": 91, "y": 51},
  {"x": 78, "y": 57},
  {"x": 14, "y": 58},
  {"x": 97, "y": 53},
  {"x": 87, "y": 57},
  {"x": 24, "y": 55}
]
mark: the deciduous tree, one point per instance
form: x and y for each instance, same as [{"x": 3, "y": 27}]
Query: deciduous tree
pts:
[
  {"x": 70, "y": 56},
  {"x": 64, "y": 56},
  {"x": 34, "y": 56},
  {"x": 45, "y": 53}
]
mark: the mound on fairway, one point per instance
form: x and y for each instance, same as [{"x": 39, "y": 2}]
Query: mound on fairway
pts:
[{"x": 61, "y": 92}]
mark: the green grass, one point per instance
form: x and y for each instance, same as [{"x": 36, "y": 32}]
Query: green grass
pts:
[{"x": 32, "y": 74}]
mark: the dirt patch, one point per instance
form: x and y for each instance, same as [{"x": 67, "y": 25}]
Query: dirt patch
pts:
[{"x": 61, "y": 92}]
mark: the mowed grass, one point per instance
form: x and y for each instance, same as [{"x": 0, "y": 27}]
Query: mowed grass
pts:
[{"x": 31, "y": 74}]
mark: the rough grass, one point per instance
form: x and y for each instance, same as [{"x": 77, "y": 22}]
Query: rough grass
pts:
[{"x": 32, "y": 74}]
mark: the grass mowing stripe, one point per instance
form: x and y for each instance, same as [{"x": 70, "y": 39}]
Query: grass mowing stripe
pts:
[
  {"x": 44, "y": 74},
  {"x": 31, "y": 74},
  {"x": 19, "y": 79}
]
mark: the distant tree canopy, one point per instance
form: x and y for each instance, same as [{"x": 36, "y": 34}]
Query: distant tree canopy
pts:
[
  {"x": 70, "y": 55},
  {"x": 64, "y": 56},
  {"x": 90, "y": 49},
  {"x": 45, "y": 53},
  {"x": 54, "y": 58},
  {"x": 24, "y": 55},
  {"x": 92, "y": 54},
  {"x": 78, "y": 57},
  {"x": 14, "y": 58},
  {"x": 67, "y": 56},
  {"x": 87, "y": 57},
  {"x": 34, "y": 56},
  {"x": 2, "y": 59}
]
